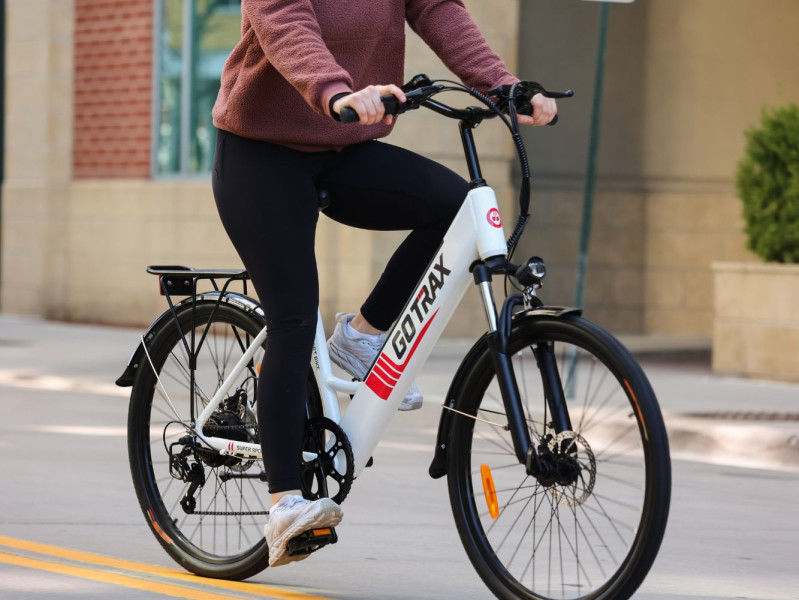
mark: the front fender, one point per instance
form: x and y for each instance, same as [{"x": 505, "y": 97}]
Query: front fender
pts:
[
  {"x": 243, "y": 302},
  {"x": 438, "y": 467}
]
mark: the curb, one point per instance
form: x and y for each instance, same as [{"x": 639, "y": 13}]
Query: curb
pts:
[{"x": 749, "y": 444}]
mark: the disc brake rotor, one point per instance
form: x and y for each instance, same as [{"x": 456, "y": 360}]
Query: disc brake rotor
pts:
[{"x": 571, "y": 446}]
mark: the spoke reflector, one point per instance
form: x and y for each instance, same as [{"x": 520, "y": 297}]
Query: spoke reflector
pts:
[{"x": 490, "y": 491}]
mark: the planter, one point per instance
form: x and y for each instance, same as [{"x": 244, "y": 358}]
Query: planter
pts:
[{"x": 756, "y": 321}]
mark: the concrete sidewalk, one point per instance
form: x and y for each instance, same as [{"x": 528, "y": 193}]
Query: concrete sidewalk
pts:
[{"x": 710, "y": 417}]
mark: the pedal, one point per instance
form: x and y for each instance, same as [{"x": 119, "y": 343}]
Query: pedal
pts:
[{"x": 311, "y": 541}]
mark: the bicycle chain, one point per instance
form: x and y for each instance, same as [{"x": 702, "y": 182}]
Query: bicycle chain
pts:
[
  {"x": 222, "y": 427},
  {"x": 214, "y": 513}
]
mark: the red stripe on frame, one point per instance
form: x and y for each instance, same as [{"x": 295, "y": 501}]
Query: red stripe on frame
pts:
[
  {"x": 378, "y": 387},
  {"x": 386, "y": 366},
  {"x": 384, "y": 376}
]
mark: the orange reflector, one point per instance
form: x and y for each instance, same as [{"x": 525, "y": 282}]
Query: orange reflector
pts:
[
  {"x": 490, "y": 491},
  {"x": 322, "y": 531},
  {"x": 157, "y": 527},
  {"x": 258, "y": 368}
]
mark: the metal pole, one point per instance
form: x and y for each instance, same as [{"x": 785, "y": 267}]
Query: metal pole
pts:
[
  {"x": 590, "y": 182},
  {"x": 2, "y": 108},
  {"x": 593, "y": 145}
]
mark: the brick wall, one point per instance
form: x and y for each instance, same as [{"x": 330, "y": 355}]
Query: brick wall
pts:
[{"x": 113, "y": 83}]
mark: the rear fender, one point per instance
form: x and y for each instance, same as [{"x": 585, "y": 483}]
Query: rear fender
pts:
[{"x": 243, "y": 302}]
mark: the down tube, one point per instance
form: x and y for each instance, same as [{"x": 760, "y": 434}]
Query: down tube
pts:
[{"x": 412, "y": 338}]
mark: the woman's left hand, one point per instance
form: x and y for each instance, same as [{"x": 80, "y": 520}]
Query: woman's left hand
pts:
[{"x": 544, "y": 110}]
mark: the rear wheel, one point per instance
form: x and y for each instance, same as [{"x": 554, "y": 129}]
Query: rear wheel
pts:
[
  {"x": 594, "y": 534},
  {"x": 207, "y": 510}
]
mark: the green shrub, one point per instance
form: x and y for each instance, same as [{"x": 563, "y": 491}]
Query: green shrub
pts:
[{"x": 768, "y": 185}]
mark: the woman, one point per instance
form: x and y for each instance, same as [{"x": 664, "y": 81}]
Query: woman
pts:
[{"x": 298, "y": 64}]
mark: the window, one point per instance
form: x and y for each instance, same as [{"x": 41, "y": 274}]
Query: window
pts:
[{"x": 194, "y": 38}]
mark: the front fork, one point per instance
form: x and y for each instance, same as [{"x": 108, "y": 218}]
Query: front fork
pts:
[{"x": 498, "y": 342}]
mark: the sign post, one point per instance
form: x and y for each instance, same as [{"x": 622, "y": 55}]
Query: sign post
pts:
[
  {"x": 590, "y": 177},
  {"x": 593, "y": 147}
]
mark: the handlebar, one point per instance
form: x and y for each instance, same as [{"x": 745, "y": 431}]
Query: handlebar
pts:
[{"x": 420, "y": 90}]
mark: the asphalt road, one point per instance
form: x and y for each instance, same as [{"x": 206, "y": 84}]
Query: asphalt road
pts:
[{"x": 70, "y": 526}]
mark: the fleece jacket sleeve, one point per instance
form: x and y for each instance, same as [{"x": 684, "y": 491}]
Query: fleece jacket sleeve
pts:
[
  {"x": 289, "y": 34},
  {"x": 447, "y": 27}
]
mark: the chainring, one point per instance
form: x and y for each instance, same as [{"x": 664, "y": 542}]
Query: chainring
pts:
[{"x": 326, "y": 469}]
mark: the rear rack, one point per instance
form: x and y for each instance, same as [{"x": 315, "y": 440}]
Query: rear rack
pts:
[
  {"x": 177, "y": 280},
  {"x": 199, "y": 273}
]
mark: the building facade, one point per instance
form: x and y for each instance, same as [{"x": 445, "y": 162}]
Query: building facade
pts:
[{"x": 108, "y": 143}]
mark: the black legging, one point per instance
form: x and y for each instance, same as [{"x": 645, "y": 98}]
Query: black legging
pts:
[{"x": 267, "y": 197}]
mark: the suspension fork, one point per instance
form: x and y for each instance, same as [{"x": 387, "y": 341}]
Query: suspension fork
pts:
[
  {"x": 498, "y": 336},
  {"x": 498, "y": 342},
  {"x": 553, "y": 388}
]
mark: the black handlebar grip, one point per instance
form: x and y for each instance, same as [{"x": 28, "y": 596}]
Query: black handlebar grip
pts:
[
  {"x": 390, "y": 102},
  {"x": 348, "y": 115}
]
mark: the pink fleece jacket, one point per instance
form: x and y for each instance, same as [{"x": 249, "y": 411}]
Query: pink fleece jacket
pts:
[{"x": 295, "y": 55}]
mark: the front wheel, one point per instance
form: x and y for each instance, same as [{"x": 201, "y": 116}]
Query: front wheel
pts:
[{"x": 593, "y": 535}]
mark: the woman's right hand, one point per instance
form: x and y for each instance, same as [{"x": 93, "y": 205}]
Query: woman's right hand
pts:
[{"x": 367, "y": 103}]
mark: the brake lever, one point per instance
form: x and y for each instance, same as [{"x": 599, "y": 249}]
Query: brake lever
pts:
[
  {"x": 525, "y": 90},
  {"x": 557, "y": 95}
]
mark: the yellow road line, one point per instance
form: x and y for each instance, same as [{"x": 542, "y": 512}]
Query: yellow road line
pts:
[
  {"x": 105, "y": 577},
  {"x": 105, "y": 561}
]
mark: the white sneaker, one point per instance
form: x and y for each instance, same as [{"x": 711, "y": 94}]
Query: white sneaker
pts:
[
  {"x": 291, "y": 516},
  {"x": 355, "y": 354}
]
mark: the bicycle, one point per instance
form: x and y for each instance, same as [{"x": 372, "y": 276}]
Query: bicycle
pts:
[{"x": 550, "y": 435}]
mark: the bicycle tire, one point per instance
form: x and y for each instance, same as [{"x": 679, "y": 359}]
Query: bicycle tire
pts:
[
  {"x": 595, "y": 539},
  {"x": 224, "y": 546}
]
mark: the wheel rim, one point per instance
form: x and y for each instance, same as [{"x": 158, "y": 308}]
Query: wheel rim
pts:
[
  {"x": 560, "y": 541},
  {"x": 230, "y": 509}
]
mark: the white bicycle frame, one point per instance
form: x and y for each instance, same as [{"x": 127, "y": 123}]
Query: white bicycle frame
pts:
[{"x": 475, "y": 234}]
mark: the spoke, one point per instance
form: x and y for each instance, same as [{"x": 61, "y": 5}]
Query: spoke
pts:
[
  {"x": 590, "y": 546},
  {"x": 588, "y": 419},
  {"x": 621, "y": 481},
  {"x": 610, "y": 520},
  {"x": 627, "y": 505},
  {"x": 507, "y": 504},
  {"x": 162, "y": 412},
  {"x": 622, "y": 459},
  {"x": 591, "y": 370},
  {"x": 491, "y": 438},
  {"x": 183, "y": 370},
  {"x": 624, "y": 433},
  {"x": 524, "y": 533}
]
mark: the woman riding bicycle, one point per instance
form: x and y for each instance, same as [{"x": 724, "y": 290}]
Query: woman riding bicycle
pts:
[{"x": 298, "y": 64}]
